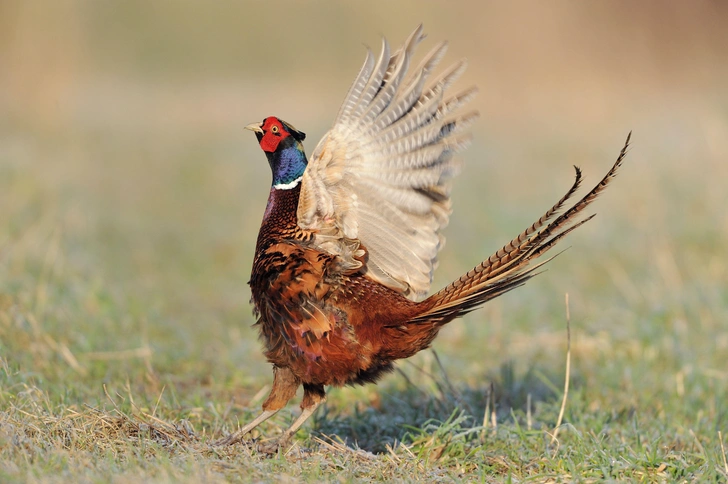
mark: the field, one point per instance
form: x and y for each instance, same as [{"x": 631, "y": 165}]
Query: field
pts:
[{"x": 130, "y": 199}]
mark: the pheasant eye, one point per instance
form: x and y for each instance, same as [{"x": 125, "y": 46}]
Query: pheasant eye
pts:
[{"x": 274, "y": 129}]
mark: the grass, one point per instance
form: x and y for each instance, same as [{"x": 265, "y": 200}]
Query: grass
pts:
[
  {"x": 129, "y": 213},
  {"x": 126, "y": 348}
]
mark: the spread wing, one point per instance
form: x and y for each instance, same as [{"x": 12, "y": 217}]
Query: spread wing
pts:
[{"x": 379, "y": 179}]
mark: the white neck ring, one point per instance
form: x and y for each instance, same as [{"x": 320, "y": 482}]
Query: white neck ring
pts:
[{"x": 288, "y": 186}]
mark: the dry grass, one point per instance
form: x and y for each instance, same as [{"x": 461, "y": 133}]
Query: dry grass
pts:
[{"x": 130, "y": 199}]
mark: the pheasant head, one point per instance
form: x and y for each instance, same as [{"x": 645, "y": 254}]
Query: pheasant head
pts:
[{"x": 282, "y": 144}]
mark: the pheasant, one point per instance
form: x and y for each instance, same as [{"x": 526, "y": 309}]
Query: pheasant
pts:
[{"x": 349, "y": 239}]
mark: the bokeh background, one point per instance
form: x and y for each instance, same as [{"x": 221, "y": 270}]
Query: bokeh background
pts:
[{"x": 130, "y": 195}]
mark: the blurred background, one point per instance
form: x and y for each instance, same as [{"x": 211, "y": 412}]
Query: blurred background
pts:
[{"x": 130, "y": 195}]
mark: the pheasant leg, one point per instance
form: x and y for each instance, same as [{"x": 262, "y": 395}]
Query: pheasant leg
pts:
[
  {"x": 284, "y": 388},
  {"x": 313, "y": 397}
]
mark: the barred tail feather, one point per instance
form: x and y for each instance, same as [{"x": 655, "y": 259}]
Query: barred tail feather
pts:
[{"x": 515, "y": 263}]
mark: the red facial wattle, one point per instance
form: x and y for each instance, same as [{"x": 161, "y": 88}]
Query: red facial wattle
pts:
[{"x": 273, "y": 134}]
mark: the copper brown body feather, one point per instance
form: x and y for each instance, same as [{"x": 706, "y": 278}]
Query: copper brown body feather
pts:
[
  {"x": 337, "y": 271},
  {"x": 329, "y": 327}
]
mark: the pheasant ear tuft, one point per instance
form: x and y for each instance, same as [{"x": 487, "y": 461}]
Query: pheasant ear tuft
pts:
[{"x": 297, "y": 135}]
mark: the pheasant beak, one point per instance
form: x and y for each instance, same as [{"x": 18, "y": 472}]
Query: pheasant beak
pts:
[{"x": 255, "y": 127}]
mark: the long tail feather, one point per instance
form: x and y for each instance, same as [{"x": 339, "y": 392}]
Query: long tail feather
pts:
[{"x": 513, "y": 264}]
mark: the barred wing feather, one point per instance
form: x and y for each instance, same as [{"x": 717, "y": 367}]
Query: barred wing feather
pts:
[{"x": 379, "y": 180}]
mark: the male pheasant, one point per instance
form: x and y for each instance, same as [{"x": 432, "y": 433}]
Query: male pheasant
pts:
[{"x": 349, "y": 238}]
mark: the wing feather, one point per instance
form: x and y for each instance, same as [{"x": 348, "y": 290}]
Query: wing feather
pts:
[
  {"x": 375, "y": 80},
  {"x": 379, "y": 180},
  {"x": 356, "y": 89}
]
